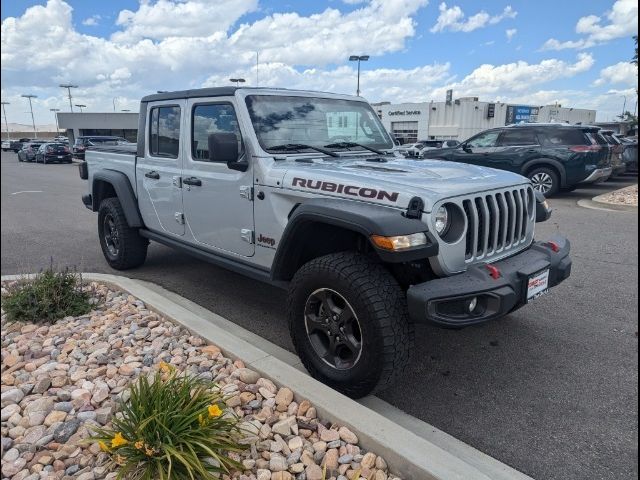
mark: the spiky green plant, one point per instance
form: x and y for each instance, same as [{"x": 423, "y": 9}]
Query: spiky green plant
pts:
[
  {"x": 171, "y": 426},
  {"x": 48, "y": 296}
]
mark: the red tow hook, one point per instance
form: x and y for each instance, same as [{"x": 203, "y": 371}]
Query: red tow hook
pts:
[
  {"x": 554, "y": 246},
  {"x": 493, "y": 271}
]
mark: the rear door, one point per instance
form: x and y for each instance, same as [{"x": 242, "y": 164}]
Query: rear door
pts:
[
  {"x": 516, "y": 146},
  {"x": 219, "y": 207},
  {"x": 158, "y": 172}
]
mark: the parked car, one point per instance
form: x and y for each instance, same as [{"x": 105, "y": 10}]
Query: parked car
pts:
[
  {"x": 616, "y": 152},
  {"x": 630, "y": 153},
  {"x": 53, "y": 153},
  {"x": 366, "y": 243},
  {"x": 552, "y": 156},
  {"x": 82, "y": 143},
  {"x": 6, "y": 145},
  {"x": 28, "y": 151},
  {"x": 15, "y": 145}
]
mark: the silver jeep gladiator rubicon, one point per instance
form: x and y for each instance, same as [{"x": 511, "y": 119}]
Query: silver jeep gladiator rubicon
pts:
[{"x": 302, "y": 190}]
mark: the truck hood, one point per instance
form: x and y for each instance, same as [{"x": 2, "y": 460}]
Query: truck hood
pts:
[{"x": 390, "y": 180}]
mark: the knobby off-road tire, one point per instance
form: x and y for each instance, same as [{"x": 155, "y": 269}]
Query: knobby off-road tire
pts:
[
  {"x": 123, "y": 247},
  {"x": 379, "y": 305}
]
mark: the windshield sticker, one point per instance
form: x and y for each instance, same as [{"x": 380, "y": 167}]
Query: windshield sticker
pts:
[{"x": 353, "y": 190}]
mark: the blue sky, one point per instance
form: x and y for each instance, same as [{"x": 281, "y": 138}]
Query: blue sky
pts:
[{"x": 576, "y": 53}]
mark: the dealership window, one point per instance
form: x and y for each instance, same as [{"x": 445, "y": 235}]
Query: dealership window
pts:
[
  {"x": 164, "y": 131},
  {"x": 405, "y": 132},
  {"x": 208, "y": 119}
]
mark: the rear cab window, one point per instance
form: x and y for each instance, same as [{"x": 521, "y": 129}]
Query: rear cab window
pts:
[{"x": 164, "y": 131}]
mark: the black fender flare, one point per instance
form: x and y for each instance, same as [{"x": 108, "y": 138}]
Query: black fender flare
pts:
[
  {"x": 546, "y": 161},
  {"x": 124, "y": 192},
  {"x": 362, "y": 218}
]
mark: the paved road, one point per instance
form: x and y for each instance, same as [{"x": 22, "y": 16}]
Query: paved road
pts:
[{"x": 551, "y": 390}]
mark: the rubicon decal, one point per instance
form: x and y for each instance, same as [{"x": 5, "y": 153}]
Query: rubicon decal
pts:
[{"x": 354, "y": 190}]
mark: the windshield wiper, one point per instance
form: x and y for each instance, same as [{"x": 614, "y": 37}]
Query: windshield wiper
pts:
[
  {"x": 302, "y": 146},
  {"x": 354, "y": 144}
]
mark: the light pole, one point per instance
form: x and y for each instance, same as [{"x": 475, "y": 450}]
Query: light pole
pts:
[
  {"x": 6, "y": 123},
  {"x": 80, "y": 106},
  {"x": 33, "y": 122},
  {"x": 54, "y": 110},
  {"x": 237, "y": 81},
  {"x": 358, "y": 58},
  {"x": 69, "y": 86},
  {"x": 114, "y": 103},
  {"x": 624, "y": 106}
]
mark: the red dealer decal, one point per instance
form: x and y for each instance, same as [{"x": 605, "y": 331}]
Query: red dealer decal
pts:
[{"x": 353, "y": 190}]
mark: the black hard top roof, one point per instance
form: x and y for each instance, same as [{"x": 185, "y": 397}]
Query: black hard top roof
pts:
[{"x": 195, "y": 93}]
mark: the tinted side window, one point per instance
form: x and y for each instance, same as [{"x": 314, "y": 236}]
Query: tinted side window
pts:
[
  {"x": 518, "y": 136},
  {"x": 486, "y": 139},
  {"x": 164, "y": 131},
  {"x": 565, "y": 136},
  {"x": 208, "y": 119}
]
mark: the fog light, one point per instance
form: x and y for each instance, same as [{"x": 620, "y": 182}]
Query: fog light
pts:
[{"x": 473, "y": 303}]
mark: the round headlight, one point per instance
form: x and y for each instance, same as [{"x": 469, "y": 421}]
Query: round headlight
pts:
[{"x": 441, "y": 220}]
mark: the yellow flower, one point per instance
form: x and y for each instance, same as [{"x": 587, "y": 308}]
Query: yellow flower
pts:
[
  {"x": 139, "y": 445},
  {"x": 214, "y": 411},
  {"x": 118, "y": 440},
  {"x": 103, "y": 446},
  {"x": 149, "y": 451}
]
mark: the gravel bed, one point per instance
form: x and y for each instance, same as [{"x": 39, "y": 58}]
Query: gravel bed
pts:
[
  {"x": 624, "y": 196},
  {"x": 60, "y": 379}
]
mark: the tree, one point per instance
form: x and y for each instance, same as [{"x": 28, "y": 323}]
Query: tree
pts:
[
  {"x": 629, "y": 117},
  {"x": 635, "y": 57}
]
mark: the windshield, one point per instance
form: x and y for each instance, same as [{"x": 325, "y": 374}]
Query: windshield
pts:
[{"x": 315, "y": 122}]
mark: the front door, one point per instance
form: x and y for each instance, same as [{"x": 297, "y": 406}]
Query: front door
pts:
[
  {"x": 217, "y": 200},
  {"x": 158, "y": 173},
  {"x": 477, "y": 150}
]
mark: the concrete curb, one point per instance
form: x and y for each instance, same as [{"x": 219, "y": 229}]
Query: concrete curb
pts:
[
  {"x": 408, "y": 454},
  {"x": 614, "y": 206}
]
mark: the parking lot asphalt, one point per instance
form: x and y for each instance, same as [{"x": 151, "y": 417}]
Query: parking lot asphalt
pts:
[{"x": 551, "y": 390}]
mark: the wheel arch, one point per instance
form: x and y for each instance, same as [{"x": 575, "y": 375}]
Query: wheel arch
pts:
[
  {"x": 111, "y": 183},
  {"x": 322, "y": 226}
]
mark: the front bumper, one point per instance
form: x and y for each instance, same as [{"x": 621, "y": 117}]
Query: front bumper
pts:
[
  {"x": 443, "y": 301},
  {"x": 598, "y": 175}
]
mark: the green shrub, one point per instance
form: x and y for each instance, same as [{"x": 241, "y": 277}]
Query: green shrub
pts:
[
  {"x": 171, "y": 426},
  {"x": 48, "y": 296}
]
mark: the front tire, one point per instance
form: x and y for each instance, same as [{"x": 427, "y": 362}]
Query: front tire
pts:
[
  {"x": 544, "y": 180},
  {"x": 349, "y": 323},
  {"x": 123, "y": 246}
]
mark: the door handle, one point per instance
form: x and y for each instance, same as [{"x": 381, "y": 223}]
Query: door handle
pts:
[
  {"x": 152, "y": 174},
  {"x": 196, "y": 182}
]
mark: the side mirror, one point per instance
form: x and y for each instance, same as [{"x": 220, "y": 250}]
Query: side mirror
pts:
[
  {"x": 223, "y": 147},
  {"x": 466, "y": 148}
]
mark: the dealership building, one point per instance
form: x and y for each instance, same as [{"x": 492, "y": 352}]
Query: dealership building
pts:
[
  {"x": 119, "y": 124},
  {"x": 461, "y": 118}
]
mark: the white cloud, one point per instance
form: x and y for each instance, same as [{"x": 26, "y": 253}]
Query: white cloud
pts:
[
  {"x": 510, "y": 33},
  {"x": 92, "y": 21},
  {"x": 453, "y": 19},
  {"x": 621, "y": 21},
  {"x": 174, "y": 18},
  {"x": 620, "y": 73},
  {"x": 497, "y": 81}
]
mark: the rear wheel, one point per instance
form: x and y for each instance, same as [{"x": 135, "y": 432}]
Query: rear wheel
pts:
[
  {"x": 544, "y": 180},
  {"x": 349, "y": 323},
  {"x": 123, "y": 246}
]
